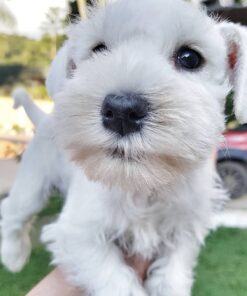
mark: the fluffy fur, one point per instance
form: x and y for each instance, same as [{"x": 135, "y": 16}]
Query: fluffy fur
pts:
[
  {"x": 153, "y": 193},
  {"x": 42, "y": 168}
]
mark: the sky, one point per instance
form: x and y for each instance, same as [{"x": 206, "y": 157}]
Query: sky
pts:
[{"x": 29, "y": 22}]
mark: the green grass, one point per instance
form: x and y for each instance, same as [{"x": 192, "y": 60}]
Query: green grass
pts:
[
  {"x": 223, "y": 265},
  {"x": 222, "y": 269},
  {"x": 54, "y": 207}
]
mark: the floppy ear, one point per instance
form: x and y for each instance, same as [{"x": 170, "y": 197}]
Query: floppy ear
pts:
[
  {"x": 236, "y": 40},
  {"x": 61, "y": 68}
]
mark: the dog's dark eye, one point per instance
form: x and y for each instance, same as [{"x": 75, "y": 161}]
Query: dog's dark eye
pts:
[
  {"x": 99, "y": 48},
  {"x": 188, "y": 59}
]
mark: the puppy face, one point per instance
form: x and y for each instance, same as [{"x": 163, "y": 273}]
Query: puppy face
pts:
[{"x": 143, "y": 100}]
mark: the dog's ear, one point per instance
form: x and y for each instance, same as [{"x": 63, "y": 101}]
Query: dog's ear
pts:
[
  {"x": 61, "y": 68},
  {"x": 236, "y": 40}
]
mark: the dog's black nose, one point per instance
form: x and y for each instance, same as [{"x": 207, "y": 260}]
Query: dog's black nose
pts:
[{"x": 124, "y": 114}]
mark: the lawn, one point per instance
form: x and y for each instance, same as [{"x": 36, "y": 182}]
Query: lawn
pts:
[{"x": 222, "y": 269}]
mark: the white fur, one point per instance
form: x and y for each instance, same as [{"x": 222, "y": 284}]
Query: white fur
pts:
[
  {"x": 42, "y": 167},
  {"x": 157, "y": 200},
  {"x": 22, "y": 98}
]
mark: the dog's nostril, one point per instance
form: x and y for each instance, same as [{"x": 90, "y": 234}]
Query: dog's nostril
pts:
[{"x": 109, "y": 114}]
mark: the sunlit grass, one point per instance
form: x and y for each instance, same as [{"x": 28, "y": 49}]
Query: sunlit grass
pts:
[{"x": 223, "y": 265}]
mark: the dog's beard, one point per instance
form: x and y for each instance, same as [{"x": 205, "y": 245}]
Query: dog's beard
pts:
[{"x": 133, "y": 172}]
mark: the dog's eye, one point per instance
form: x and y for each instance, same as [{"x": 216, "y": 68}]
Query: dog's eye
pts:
[
  {"x": 188, "y": 59},
  {"x": 99, "y": 48}
]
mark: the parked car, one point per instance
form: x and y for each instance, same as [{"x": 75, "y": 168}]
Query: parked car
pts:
[{"x": 232, "y": 161}]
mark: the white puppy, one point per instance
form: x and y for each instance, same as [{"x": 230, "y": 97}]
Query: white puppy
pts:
[
  {"x": 42, "y": 168},
  {"x": 140, "y": 109}
]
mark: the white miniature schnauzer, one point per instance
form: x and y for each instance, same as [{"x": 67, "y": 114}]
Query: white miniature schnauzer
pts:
[
  {"x": 140, "y": 110},
  {"x": 42, "y": 168}
]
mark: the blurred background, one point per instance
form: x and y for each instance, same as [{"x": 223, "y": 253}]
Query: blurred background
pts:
[{"x": 31, "y": 32}]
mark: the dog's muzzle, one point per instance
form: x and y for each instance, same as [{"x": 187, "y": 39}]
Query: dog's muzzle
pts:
[{"x": 124, "y": 114}]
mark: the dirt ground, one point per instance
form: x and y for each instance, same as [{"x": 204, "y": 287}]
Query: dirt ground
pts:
[{"x": 10, "y": 150}]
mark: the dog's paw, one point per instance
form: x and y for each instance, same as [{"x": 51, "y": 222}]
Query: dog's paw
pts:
[
  {"x": 121, "y": 290},
  {"x": 123, "y": 282},
  {"x": 15, "y": 251},
  {"x": 155, "y": 287},
  {"x": 158, "y": 286}
]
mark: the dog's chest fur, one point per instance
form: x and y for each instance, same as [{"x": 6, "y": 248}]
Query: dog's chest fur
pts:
[
  {"x": 141, "y": 225},
  {"x": 144, "y": 225}
]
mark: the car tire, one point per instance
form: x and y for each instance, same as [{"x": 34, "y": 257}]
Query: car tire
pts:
[{"x": 234, "y": 177}]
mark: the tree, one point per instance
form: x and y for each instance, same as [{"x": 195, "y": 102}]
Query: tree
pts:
[
  {"x": 82, "y": 5},
  {"x": 54, "y": 26},
  {"x": 7, "y": 19}
]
